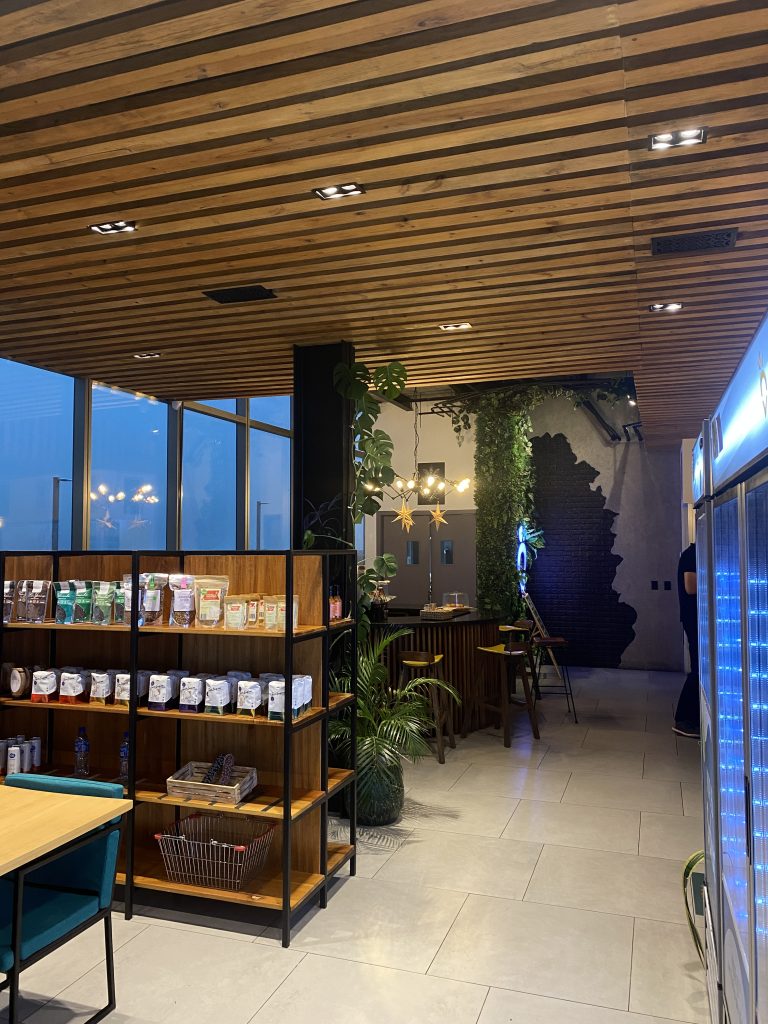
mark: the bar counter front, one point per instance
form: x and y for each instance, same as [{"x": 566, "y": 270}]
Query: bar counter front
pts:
[{"x": 457, "y": 639}]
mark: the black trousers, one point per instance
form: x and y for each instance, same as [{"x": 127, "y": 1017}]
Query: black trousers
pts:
[{"x": 688, "y": 703}]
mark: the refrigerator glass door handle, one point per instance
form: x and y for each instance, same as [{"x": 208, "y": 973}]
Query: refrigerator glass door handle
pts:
[{"x": 748, "y": 818}]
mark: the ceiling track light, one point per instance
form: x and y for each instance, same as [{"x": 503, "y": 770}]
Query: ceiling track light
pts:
[
  {"x": 455, "y": 327},
  {"x": 665, "y": 307},
  {"x": 113, "y": 227},
  {"x": 351, "y": 188},
  {"x": 146, "y": 355},
  {"x": 684, "y": 137}
]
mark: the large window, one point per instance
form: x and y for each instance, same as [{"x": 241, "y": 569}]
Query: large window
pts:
[
  {"x": 35, "y": 458},
  {"x": 129, "y": 453},
  {"x": 208, "y": 483},
  {"x": 273, "y": 409},
  {"x": 270, "y": 500},
  {"x": 225, "y": 404}
]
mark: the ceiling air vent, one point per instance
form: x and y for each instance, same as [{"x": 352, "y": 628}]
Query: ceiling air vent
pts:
[
  {"x": 698, "y": 241},
  {"x": 247, "y": 293}
]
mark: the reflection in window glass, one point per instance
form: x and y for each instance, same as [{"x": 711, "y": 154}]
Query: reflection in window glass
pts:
[
  {"x": 270, "y": 500},
  {"x": 128, "y": 501},
  {"x": 208, "y": 483},
  {"x": 35, "y": 457},
  {"x": 225, "y": 404},
  {"x": 274, "y": 409}
]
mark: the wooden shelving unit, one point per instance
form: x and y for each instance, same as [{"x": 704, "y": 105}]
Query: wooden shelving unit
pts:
[{"x": 291, "y": 758}]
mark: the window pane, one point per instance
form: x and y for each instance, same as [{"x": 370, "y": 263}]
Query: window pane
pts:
[
  {"x": 275, "y": 410},
  {"x": 208, "y": 483},
  {"x": 129, "y": 455},
  {"x": 35, "y": 452},
  {"x": 225, "y": 404},
  {"x": 270, "y": 505}
]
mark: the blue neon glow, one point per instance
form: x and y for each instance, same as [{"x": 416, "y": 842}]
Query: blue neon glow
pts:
[
  {"x": 757, "y": 605},
  {"x": 730, "y": 715},
  {"x": 702, "y": 591}
]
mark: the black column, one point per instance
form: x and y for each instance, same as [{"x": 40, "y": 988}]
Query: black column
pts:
[{"x": 322, "y": 445}]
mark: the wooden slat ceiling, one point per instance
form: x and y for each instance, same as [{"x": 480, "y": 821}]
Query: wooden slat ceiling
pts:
[{"x": 503, "y": 146}]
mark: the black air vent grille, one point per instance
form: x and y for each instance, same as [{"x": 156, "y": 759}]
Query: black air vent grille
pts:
[
  {"x": 699, "y": 241},
  {"x": 247, "y": 293}
]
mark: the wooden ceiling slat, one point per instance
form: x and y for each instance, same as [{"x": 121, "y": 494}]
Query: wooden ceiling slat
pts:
[{"x": 503, "y": 147}]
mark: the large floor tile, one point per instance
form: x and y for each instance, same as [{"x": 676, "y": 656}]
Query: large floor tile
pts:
[
  {"x": 612, "y": 717},
  {"x": 514, "y": 783},
  {"x": 606, "y": 738},
  {"x": 507, "y": 1007},
  {"x": 485, "y": 747},
  {"x": 456, "y": 812},
  {"x": 594, "y": 828},
  {"x": 231, "y": 921},
  {"x": 632, "y": 794},
  {"x": 492, "y": 867},
  {"x": 660, "y": 721},
  {"x": 569, "y": 954},
  {"x": 588, "y": 759},
  {"x": 192, "y": 979},
  {"x": 326, "y": 991},
  {"x": 672, "y": 767},
  {"x": 610, "y": 883},
  {"x": 375, "y": 922},
  {"x": 667, "y": 978},
  {"x": 669, "y": 835},
  {"x": 430, "y": 774}
]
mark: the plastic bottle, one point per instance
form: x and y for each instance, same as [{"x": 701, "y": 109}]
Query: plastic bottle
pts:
[
  {"x": 332, "y": 604},
  {"x": 82, "y": 752},
  {"x": 124, "y": 751},
  {"x": 338, "y": 605}
]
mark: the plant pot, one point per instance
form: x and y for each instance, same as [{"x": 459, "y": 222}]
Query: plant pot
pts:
[{"x": 383, "y": 800}]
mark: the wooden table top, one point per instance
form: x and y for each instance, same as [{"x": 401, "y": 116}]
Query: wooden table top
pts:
[{"x": 33, "y": 823}]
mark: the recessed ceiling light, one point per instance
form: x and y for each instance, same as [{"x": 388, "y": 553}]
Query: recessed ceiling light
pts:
[
  {"x": 686, "y": 137},
  {"x": 665, "y": 307},
  {"x": 113, "y": 227},
  {"x": 352, "y": 188},
  {"x": 146, "y": 355},
  {"x": 455, "y": 327}
]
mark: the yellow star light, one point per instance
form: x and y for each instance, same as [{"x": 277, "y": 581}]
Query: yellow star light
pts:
[
  {"x": 404, "y": 517},
  {"x": 437, "y": 517}
]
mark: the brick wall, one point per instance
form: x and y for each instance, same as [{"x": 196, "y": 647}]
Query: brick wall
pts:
[{"x": 573, "y": 582}]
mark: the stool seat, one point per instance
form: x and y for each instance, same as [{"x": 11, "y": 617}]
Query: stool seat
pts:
[
  {"x": 412, "y": 663},
  {"x": 515, "y": 652}
]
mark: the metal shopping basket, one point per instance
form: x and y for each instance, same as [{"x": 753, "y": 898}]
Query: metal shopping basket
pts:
[{"x": 215, "y": 850}]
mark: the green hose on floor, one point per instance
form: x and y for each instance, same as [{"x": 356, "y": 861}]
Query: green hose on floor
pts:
[{"x": 688, "y": 868}]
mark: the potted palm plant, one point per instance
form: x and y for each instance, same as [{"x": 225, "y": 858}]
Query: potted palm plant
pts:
[{"x": 392, "y": 725}]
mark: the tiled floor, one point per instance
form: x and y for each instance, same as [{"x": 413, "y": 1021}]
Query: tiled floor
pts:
[{"x": 537, "y": 884}]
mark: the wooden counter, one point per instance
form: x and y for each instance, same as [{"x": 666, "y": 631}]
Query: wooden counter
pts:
[{"x": 456, "y": 639}]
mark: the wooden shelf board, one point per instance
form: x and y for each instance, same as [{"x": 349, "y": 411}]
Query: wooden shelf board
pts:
[
  {"x": 337, "y": 699},
  {"x": 264, "y": 890},
  {"x": 229, "y": 719},
  {"x": 269, "y": 634},
  {"x": 70, "y": 627},
  {"x": 266, "y": 802},
  {"x": 54, "y": 705},
  {"x": 341, "y": 623},
  {"x": 338, "y": 855},
  {"x": 337, "y": 777}
]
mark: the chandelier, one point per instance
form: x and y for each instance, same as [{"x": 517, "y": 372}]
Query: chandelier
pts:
[{"x": 426, "y": 484}]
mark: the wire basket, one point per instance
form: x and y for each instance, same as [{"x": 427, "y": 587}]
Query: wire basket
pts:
[{"x": 215, "y": 850}]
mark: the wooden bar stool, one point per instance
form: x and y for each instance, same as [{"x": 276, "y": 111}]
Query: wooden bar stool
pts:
[
  {"x": 550, "y": 644},
  {"x": 504, "y": 662},
  {"x": 521, "y": 632},
  {"x": 423, "y": 663}
]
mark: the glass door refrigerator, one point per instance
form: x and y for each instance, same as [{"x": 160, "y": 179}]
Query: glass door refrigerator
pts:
[
  {"x": 702, "y": 496},
  {"x": 733, "y": 564}
]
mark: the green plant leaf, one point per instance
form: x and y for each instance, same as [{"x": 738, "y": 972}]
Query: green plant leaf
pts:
[{"x": 390, "y": 380}]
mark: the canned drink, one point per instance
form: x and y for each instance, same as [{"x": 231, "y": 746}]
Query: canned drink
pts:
[
  {"x": 26, "y": 756},
  {"x": 20, "y": 739},
  {"x": 37, "y": 750},
  {"x": 14, "y": 760},
  {"x": 3, "y": 749}
]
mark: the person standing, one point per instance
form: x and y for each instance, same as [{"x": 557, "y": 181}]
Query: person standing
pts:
[{"x": 687, "y": 712}]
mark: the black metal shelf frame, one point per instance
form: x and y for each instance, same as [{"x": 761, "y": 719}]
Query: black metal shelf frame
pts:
[{"x": 290, "y": 727}]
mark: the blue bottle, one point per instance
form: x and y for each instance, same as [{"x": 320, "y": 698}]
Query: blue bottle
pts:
[{"x": 82, "y": 753}]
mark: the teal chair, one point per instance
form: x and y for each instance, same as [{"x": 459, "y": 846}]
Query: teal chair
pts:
[{"x": 58, "y": 896}]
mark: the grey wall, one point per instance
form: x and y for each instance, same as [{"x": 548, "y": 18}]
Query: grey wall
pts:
[{"x": 643, "y": 487}]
